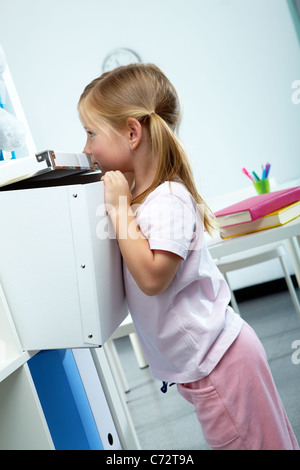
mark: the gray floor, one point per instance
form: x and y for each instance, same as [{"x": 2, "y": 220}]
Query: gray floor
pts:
[{"x": 168, "y": 422}]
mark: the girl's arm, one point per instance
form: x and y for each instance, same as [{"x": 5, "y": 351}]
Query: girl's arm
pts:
[{"x": 152, "y": 270}]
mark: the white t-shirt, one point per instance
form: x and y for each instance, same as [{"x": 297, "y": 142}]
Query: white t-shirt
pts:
[{"x": 185, "y": 330}]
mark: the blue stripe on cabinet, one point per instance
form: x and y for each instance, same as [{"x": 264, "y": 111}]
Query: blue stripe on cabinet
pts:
[{"x": 64, "y": 401}]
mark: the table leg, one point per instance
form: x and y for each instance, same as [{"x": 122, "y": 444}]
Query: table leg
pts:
[{"x": 294, "y": 251}]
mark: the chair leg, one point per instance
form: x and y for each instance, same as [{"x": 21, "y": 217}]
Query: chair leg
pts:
[
  {"x": 290, "y": 286},
  {"x": 233, "y": 299},
  {"x": 116, "y": 366},
  {"x": 137, "y": 348},
  {"x": 293, "y": 246}
]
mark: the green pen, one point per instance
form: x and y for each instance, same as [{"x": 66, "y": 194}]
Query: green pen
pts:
[{"x": 255, "y": 176}]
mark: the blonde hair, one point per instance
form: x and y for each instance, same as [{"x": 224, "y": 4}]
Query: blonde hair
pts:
[{"x": 143, "y": 92}]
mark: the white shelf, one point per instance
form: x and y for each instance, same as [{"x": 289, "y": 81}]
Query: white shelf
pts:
[
  {"x": 22, "y": 421},
  {"x": 22, "y": 425},
  {"x": 11, "y": 365}
]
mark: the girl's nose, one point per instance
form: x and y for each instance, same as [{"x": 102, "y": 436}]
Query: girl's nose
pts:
[{"x": 86, "y": 149}]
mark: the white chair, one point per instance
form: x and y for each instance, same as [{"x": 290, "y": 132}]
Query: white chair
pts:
[
  {"x": 229, "y": 263},
  {"x": 125, "y": 329}
]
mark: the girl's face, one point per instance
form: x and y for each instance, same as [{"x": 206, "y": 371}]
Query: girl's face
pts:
[{"x": 109, "y": 150}]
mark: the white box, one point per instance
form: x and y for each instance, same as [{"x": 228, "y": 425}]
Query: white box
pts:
[
  {"x": 63, "y": 282},
  {"x": 44, "y": 165}
]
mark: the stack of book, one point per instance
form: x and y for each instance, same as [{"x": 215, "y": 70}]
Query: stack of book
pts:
[{"x": 259, "y": 212}]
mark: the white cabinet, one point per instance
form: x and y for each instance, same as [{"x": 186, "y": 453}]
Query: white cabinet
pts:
[{"x": 60, "y": 266}]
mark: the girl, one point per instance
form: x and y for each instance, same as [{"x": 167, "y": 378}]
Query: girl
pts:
[{"x": 178, "y": 299}]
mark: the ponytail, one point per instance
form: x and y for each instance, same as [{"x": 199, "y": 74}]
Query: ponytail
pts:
[{"x": 173, "y": 165}]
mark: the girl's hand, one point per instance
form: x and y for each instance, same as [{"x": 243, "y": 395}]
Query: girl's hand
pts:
[
  {"x": 116, "y": 191},
  {"x": 152, "y": 270}
]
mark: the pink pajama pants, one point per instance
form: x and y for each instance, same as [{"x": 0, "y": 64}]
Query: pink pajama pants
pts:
[{"x": 238, "y": 405}]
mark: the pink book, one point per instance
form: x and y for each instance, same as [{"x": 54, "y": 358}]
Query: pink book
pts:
[{"x": 257, "y": 206}]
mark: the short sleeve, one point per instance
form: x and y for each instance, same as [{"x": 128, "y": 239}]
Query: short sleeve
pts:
[{"x": 169, "y": 223}]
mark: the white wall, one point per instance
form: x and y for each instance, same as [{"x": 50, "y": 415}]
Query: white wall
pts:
[{"x": 232, "y": 61}]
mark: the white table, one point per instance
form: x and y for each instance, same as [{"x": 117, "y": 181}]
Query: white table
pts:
[{"x": 288, "y": 232}]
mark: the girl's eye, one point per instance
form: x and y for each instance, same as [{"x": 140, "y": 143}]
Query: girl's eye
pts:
[{"x": 90, "y": 133}]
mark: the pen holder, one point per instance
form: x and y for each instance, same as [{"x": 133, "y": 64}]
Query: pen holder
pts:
[{"x": 262, "y": 186}]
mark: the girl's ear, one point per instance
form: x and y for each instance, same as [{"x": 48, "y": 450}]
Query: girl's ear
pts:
[{"x": 134, "y": 129}]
